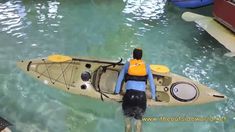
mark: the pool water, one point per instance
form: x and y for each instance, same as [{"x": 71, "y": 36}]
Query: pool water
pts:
[{"x": 107, "y": 29}]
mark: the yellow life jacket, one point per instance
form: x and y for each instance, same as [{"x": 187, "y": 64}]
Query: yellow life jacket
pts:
[
  {"x": 137, "y": 68},
  {"x": 137, "y": 71}
]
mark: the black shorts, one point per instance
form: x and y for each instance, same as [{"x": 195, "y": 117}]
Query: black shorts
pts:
[{"x": 134, "y": 104}]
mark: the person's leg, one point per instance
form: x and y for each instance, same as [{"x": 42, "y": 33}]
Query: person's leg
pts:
[
  {"x": 128, "y": 124},
  {"x": 139, "y": 111},
  {"x": 138, "y": 126},
  {"x": 126, "y": 111}
]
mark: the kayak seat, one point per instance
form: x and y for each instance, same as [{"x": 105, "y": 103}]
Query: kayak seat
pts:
[
  {"x": 108, "y": 80},
  {"x": 105, "y": 80}
]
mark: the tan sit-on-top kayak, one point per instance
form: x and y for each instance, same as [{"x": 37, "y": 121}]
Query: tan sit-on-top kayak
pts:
[{"x": 97, "y": 79}]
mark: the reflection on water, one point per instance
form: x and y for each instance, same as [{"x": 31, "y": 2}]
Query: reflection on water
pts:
[
  {"x": 11, "y": 15},
  {"x": 47, "y": 16},
  {"x": 145, "y": 10},
  {"x": 16, "y": 17},
  {"x": 105, "y": 29}
]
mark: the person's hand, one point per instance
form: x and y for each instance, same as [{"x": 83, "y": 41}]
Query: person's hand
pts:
[
  {"x": 122, "y": 93},
  {"x": 117, "y": 98},
  {"x": 151, "y": 102}
]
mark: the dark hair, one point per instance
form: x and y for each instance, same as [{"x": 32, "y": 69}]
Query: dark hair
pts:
[{"x": 137, "y": 53}]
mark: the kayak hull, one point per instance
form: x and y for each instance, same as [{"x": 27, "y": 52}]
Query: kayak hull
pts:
[
  {"x": 191, "y": 3},
  {"x": 97, "y": 79}
]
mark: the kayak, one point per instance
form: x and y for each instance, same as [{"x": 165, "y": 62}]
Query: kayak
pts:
[
  {"x": 97, "y": 78},
  {"x": 215, "y": 29},
  {"x": 191, "y": 3}
]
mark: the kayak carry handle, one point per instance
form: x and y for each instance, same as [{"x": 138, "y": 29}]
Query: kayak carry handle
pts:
[{"x": 114, "y": 64}]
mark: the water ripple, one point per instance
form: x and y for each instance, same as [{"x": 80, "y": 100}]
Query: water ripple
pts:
[
  {"x": 31, "y": 29},
  {"x": 53, "y": 9},
  {"x": 11, "y": 17},
  {"x": 144, "y": 10}
]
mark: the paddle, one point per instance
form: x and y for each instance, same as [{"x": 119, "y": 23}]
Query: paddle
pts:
[
  {"x": 114, "y": 64},
  {"x": 216, "y": 30},
  {"x": 160, "y": 69},
  {"x": 59, "y": 58}
]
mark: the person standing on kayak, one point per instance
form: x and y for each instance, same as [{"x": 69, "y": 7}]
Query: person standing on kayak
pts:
[{"x": 135, "y": 73}]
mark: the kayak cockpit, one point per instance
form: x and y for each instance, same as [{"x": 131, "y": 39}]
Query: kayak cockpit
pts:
[{"x": 105, "y": 80}]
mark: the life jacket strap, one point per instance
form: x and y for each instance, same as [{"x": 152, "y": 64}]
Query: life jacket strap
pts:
[{"x": 135, "y": 78}]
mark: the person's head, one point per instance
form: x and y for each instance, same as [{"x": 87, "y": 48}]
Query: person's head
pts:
[{"x": 137, "y": 53}]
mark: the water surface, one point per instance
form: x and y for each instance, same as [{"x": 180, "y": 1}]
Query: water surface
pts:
[{"x": 107, "y": 29}]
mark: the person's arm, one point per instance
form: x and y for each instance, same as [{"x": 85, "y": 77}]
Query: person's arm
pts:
[
  {"x": 151, "y": 82},
  {"x": 120, "y": 78}
]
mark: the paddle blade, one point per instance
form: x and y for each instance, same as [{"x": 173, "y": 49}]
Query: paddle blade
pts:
[
  {"x": 59, "y": 58},
  {"x": 160, "y": 69}
]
